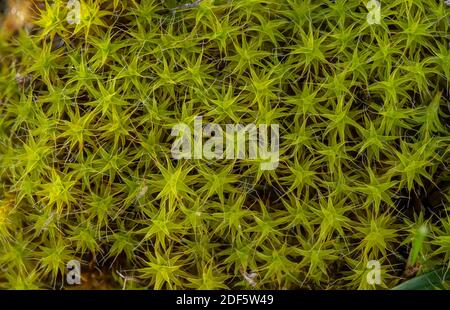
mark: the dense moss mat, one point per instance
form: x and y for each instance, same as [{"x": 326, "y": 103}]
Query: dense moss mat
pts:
[{"x": 86, "y": 112}]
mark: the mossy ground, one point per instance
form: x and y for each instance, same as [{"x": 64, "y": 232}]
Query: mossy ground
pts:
[{"x": 86, "y": 171}]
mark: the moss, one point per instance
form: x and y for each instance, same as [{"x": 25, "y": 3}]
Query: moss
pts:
[{"x": 86, "y": 173}]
